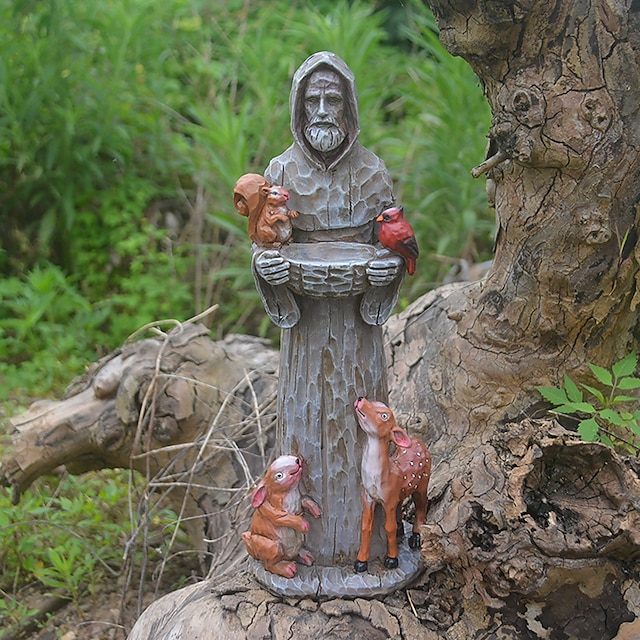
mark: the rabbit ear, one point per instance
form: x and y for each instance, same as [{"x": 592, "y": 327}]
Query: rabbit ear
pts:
[{"x": 259, "y": 496}]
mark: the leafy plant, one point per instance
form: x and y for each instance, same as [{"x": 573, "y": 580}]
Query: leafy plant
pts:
[
  {"x": 604, "y": 416},
  {"x": 12, "y": 609},
  {"x": 63, "y": 541},
  {"x": 70, "y": 566},
  {"x": 47, "y": 330}
]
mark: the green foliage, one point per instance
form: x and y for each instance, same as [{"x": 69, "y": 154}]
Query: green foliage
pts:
[
  {"x": 124, "y": 125},
  {"x": 441, "y": 133},
  {"x": 13, "y": 610},
  {"x": 66, "y": 537},
  {"x": 605, "y": 418},
  {"x": 47, "y": 330}
]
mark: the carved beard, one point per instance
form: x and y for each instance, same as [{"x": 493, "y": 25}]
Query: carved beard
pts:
[{"x": 325, "y": 137}]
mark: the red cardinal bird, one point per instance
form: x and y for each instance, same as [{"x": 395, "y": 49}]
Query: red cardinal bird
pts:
[{"x": 397, "y": 234}]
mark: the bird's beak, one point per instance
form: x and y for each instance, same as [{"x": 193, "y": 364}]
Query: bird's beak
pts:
[{"x": 379, "y": 218}]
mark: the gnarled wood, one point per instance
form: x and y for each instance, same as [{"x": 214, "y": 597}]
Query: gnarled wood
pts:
[{"x": 194, "y": 416}]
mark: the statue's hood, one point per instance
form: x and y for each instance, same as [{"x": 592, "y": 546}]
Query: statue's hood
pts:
[{"x": 324, "y": 60}]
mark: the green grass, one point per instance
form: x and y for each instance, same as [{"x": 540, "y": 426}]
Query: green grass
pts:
[{"x": 66, "y": 534}]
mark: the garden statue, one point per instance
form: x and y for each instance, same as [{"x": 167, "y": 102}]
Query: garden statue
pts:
[
  {"x": 329, "y": 288},
  {"x": 389, "y": 479},
  {"x": 275, "y": 536}
]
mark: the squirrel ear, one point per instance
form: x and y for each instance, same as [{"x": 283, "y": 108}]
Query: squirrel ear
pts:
[
  {"x": 259, "y": 496},
  {"x": 400, "y": 437},
  {"x": 265, "y": 189}
]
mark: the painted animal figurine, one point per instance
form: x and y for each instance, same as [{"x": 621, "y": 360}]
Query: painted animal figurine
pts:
[
  {"x": 265, "y": 206},
  {"x": 389, "y": 479},
  {"x": 396, "y": 234},
  {"x": 276, "y": 533}
]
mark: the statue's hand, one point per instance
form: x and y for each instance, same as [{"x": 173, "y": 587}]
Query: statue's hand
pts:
[
  {"x": 384, "y": 268},
  {"x": 272, "y": 267}
]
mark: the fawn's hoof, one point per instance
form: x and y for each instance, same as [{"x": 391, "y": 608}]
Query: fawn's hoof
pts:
[
  {"x": 415, "y": 541},
  {"x": 360, "y": 566},
  {"x": 391, "y": 563}
]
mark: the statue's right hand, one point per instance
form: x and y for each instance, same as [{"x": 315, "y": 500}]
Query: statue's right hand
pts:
[{"x": 272, "y": 267}]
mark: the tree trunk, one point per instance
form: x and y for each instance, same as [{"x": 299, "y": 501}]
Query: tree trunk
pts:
[
  {"x": 531, "y": 533},
  {"x": 563, "y": 82}
]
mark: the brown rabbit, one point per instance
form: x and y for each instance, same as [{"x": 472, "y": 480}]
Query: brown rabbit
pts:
[{"x": 276, "y": 533}]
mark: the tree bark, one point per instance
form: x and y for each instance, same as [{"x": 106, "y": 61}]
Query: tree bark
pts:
[
  {"x": 518, "y": 505},
  {"x": 563, "y": 84}
]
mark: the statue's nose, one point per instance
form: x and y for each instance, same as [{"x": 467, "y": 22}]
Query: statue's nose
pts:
[{"x": 322, "y": 106}]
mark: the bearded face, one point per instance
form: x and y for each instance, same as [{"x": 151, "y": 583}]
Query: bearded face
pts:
[{"x": 325, "y": 128}]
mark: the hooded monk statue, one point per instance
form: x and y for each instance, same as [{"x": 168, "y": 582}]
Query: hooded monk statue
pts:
[{"x": 330, "y": 288}]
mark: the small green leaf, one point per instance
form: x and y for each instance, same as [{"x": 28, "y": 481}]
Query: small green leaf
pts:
[
  {"x": 588, "y": 429},
  {"x": 574, "y": 394},
  {"x": 626, "y": 366},
  {"x": 613, "y": 417},
  {"x": 629, "y": 383},
  {"x": 575, "y": 407},
  {"x": 553, "y": 395},
  {"x": 602, "y": 375},
  {"x": 605, "y": 439},
  {"x": 618, "y": 399},
  {"x": 635, "y": 428},
  {"x": 596, "y": 392}
]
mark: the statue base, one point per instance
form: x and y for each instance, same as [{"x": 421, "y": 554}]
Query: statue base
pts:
[{"x": 343, "y": 582}]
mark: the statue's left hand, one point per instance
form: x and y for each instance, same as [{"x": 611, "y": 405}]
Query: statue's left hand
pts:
[{"x": 384, "y": 268}]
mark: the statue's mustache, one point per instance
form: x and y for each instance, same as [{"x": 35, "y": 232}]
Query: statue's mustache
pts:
[{"x": 326, "y": 121}]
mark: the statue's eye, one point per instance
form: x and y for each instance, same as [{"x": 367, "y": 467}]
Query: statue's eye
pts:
[{"x": 385, "y": 416}]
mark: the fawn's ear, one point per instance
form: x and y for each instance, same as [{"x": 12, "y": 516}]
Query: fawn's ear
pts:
[
  {"x": 259, "y": 496},
  {"x": 400, "y": 437}
]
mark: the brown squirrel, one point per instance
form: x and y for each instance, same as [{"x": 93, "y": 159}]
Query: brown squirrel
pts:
[
  {"x": 265, "y": 206},
  {"x": 276, "y": 533}
]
